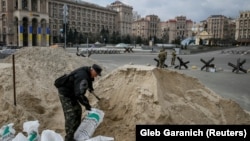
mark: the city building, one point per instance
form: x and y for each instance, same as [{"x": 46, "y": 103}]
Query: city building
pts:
[
  {"x": 146, "y": 28},
  {"x": 217, "y": 25},
  {"x": 242, "y": 34},
  {"x": 163, "y": 32},
  {"x": 232, "y": 29},
  {"x": 179, "y": 28},
  {"x": 24, "y": 22},
  {"x": 169, "y": 31},
  {"x": 197, "y": 27},
  {"x": 124, "y": 17},
  {"x": 85, "y": 18},
  {"x": 41, "y": 22},
  {"x": 217, "y": 30}
]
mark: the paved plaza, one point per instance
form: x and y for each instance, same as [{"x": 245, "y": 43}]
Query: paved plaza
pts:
[{"x": 224, "y": 82}]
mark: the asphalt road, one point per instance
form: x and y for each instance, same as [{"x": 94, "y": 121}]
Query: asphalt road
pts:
[{"x": 224, "y": 82}]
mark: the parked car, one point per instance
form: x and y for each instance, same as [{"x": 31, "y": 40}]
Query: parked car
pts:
[{"x": 121, "y": 45}]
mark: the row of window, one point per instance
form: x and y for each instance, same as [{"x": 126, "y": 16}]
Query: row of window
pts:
[
  {"x": 79, "y": 29},
  {"x": 244, "y": 36},
  {"x": 245, "y": 15},
  {"x": 83, "y": 18},
  {"x": 77, "y": 11},
  {"x": 245, "y": 31}
]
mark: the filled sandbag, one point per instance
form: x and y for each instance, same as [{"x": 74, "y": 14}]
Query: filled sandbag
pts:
[
  {"x": 50, "y": 135},
  {"x": 89, "y": 124},
  {"x": 7, "y": 132}
]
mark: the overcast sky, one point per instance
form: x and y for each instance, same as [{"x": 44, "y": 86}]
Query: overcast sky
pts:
[{"x": 196, "y": 10}]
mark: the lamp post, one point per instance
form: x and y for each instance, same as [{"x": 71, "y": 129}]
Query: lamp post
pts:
[
  {"x": 152, "y": 43},
  {"x": 87, "y": 45},
  {"x": 65, "y": 14}
]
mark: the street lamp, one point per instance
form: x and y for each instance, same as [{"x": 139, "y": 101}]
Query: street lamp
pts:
[
  {"x": 152, "y": 43},
  {"x": 65, "y": 14}
]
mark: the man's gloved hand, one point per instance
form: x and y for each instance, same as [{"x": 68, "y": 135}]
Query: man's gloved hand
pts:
[
  {"x": 84, "y": 101},
  {"x": 88, "y": 107}
]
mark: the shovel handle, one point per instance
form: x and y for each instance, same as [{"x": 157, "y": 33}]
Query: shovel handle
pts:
[{"x": 95, "y": 96}]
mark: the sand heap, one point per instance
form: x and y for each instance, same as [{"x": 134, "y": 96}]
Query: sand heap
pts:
[
  {"x": 130, "y": 95},
  {"x": 36, "y": 96}
]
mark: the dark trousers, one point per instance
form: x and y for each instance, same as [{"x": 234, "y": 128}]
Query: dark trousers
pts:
[
  {"x": 72, "y": 114},
  {"x": 161, "y": 62}
]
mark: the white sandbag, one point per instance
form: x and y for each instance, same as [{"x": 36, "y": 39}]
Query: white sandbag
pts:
[
  {"x": 50, "y": 135},
  {"x": 101, "y": 138},
  {"x": 20, "y": 137},
  {"x": 31, "y": 127},
  {"x": 7, "y": 133},
  {"x": 89, "y": 125}
]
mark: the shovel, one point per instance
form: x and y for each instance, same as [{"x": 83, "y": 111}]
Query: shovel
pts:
[{"x": 95, "y": 95}]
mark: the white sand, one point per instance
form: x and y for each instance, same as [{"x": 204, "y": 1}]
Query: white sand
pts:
[{"x": 130, "y": 95}]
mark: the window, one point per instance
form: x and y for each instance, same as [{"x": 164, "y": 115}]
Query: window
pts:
[
  {"x": 25, "y": 4},
  {"x": 34, "y": 5},
  {"x": 54, "y": 32},
  {"x": 3, "y": 3}
]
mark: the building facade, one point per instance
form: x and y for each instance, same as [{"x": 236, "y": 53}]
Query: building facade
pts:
[
  {"x": 40, "y": 22},
  {"x": 24, "y": 22},
  {"x": 217, "y": 25},
  {"x": 221, "y": 30},
  {"x": 163, "y": 32},
  {"x": 147, "y": 27},
  {"x": 179, "y": 28},
  {"x": 124, "y": 17},
  {"x": 151, "y": 26},
  {"x": 231, "y": 29},
  {"x": 86, "y": 18},
  {"x": 242, "y": 34}
]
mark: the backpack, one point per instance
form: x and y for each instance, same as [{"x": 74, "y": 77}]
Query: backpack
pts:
[{"x": 60, "y": 81}]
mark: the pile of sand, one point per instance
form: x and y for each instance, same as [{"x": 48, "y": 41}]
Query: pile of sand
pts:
[
  {"x": 130, "y": 95},
  {"x": 36, "y": 96}
]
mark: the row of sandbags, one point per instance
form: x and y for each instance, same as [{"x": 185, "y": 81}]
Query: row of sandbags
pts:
[
  {"x": 84, "y": 132},
  {"x": 8, "y": 133}
]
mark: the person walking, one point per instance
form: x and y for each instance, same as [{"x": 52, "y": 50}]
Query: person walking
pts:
[
  {"x": 72, "y": 94},
  {"x": 162, "y": 57},
  {"x": 173, "y": 57}
]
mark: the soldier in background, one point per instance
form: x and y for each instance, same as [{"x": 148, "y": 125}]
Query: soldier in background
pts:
[
  {"x": 162, "y": 57},
  {"x": 173, "y": 57}
]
